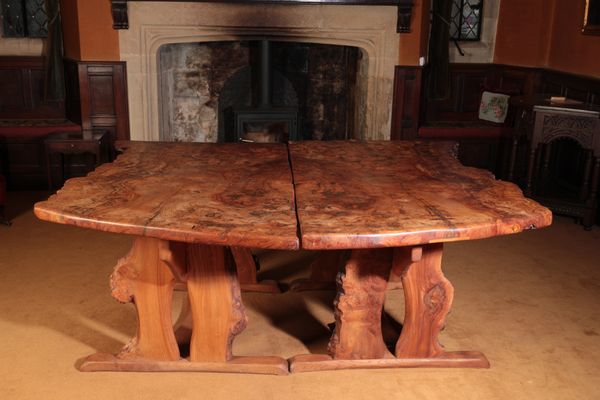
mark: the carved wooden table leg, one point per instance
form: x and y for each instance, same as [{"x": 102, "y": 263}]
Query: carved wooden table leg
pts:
[
  {"x": 357, "y": 341},
  {"x": 358, "y": 306},
  {"x": 218, "y": 315},
  {"x": 246, "y": 270},
  {"x": 323, "y": 271},
  {"x": 146, "y": 277},
  {"x": 428, "y": 297},
  {"x": 143, "y": 278}
]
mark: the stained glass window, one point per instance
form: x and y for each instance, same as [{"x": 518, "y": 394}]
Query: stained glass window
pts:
[
  {"x": 24, "y": 18},
  {"x": 465, "y": 23}
]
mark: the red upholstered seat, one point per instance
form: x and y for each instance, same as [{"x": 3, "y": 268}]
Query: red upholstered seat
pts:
[
  {"x": 458, "y": 130},
  {"x": 35, "y": 128}
]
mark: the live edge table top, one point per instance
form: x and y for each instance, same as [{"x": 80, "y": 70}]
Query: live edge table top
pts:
[
  {"x": 222, "y": 194},
  {"x": 347, "y": 195}
]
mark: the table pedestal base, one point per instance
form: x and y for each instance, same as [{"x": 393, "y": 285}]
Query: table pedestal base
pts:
[
  {"x": 357, "y": 341},
  {"x": 241, "y": 365},
  {"x": 215, "y": 315},
  {"x": 323, "y": 272},
  {"x": 323, "y": 362},
  {"x": 209, "y": 323}
]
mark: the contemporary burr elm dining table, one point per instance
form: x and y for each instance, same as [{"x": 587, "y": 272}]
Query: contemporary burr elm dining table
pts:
[{"x": 391, "y": 205}]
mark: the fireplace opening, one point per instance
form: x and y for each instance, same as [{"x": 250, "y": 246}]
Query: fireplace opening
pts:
[
  {"x": 261, "y": 91},
  {"x": 263, "y": 121}
]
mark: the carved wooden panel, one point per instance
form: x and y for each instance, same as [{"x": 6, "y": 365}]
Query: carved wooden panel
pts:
[
  {"x": 22, "y": 94},
  {"x": 407, "y": 102},
  {"x": 97, "y": 96}
]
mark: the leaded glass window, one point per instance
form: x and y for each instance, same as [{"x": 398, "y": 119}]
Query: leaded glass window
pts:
[
  {"x": 465, "y": 23},
  {"x": 24, "y": 18}
]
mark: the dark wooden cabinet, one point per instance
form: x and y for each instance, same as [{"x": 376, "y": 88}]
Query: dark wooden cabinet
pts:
[{"x": 97, "y": 96}]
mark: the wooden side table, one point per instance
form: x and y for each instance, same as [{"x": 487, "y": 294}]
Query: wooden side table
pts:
[
  {"x": 65, "y": 143},
  {"x": 582, "y": 126}
]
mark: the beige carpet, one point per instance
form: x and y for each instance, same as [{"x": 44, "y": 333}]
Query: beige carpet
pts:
[{"x": 531, "y": 302}]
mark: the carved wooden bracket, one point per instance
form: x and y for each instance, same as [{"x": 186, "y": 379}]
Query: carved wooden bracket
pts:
[
  {"x": 119, "y": 14},
  {"x": 405, "y": 7}
]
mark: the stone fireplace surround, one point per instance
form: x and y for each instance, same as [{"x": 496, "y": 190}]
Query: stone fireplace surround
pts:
[{"x": 153, "y": 24}]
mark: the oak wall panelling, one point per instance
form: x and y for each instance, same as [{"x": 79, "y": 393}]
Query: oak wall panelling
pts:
[
  {"x": 407, "y": 102},
  {"x": 97, "y": 93},
  {"x": 22, "y": 83},
  {"x": 25, "y": 119}
]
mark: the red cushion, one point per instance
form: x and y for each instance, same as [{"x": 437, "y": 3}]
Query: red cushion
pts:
[
  {"x": 36, "y": 131},
  {"x": 464, "y": 131}
]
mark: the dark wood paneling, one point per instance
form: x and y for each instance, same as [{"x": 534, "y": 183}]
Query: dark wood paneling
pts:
[
  {"x": 456, "y": 118},
  {"x": 98, "y": 96},
  {"x": 467, "y": 81},
  {"x": 577, "y": 87},
  {"x": 407, "y": 102},
  {"x": 22, "y": 95}
]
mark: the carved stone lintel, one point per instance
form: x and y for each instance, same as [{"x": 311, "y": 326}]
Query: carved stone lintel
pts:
[
  {"x": 119, "y": 14},
  {"x": 405, "y": 7}
]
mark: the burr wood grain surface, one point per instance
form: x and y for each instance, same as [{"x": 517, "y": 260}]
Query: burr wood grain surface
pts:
[
  {"x": 385, "y": 194},
  {"x": 223, "y": 194},
  {"x": 348, "y": 195}
]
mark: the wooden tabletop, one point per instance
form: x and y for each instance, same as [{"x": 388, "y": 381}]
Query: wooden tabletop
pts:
[
  {"x": 384, "y": 194},
  {"x": 226, "y": 194},
  {"x": 348, "y": 195}
]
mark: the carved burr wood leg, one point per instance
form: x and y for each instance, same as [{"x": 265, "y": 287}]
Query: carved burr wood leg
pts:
[
  {"x": 146, "y": 276},
  {"x": 323, "y": 271},
  {"x": 428, "y": 297},
  {"x": 246, "y": 270},
  {"x": 218, "y": 315},
  {"x": 216, "y": 303},
  {"x": 357, "y": 341},
  {"x": 358, "y": 306},
  {"x": 143, "y": 278}
]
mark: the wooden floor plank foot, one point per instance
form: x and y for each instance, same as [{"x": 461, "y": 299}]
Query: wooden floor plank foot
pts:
[
  {"x": 241, "y": 365},
  {"x": 322, "y": 362}
]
